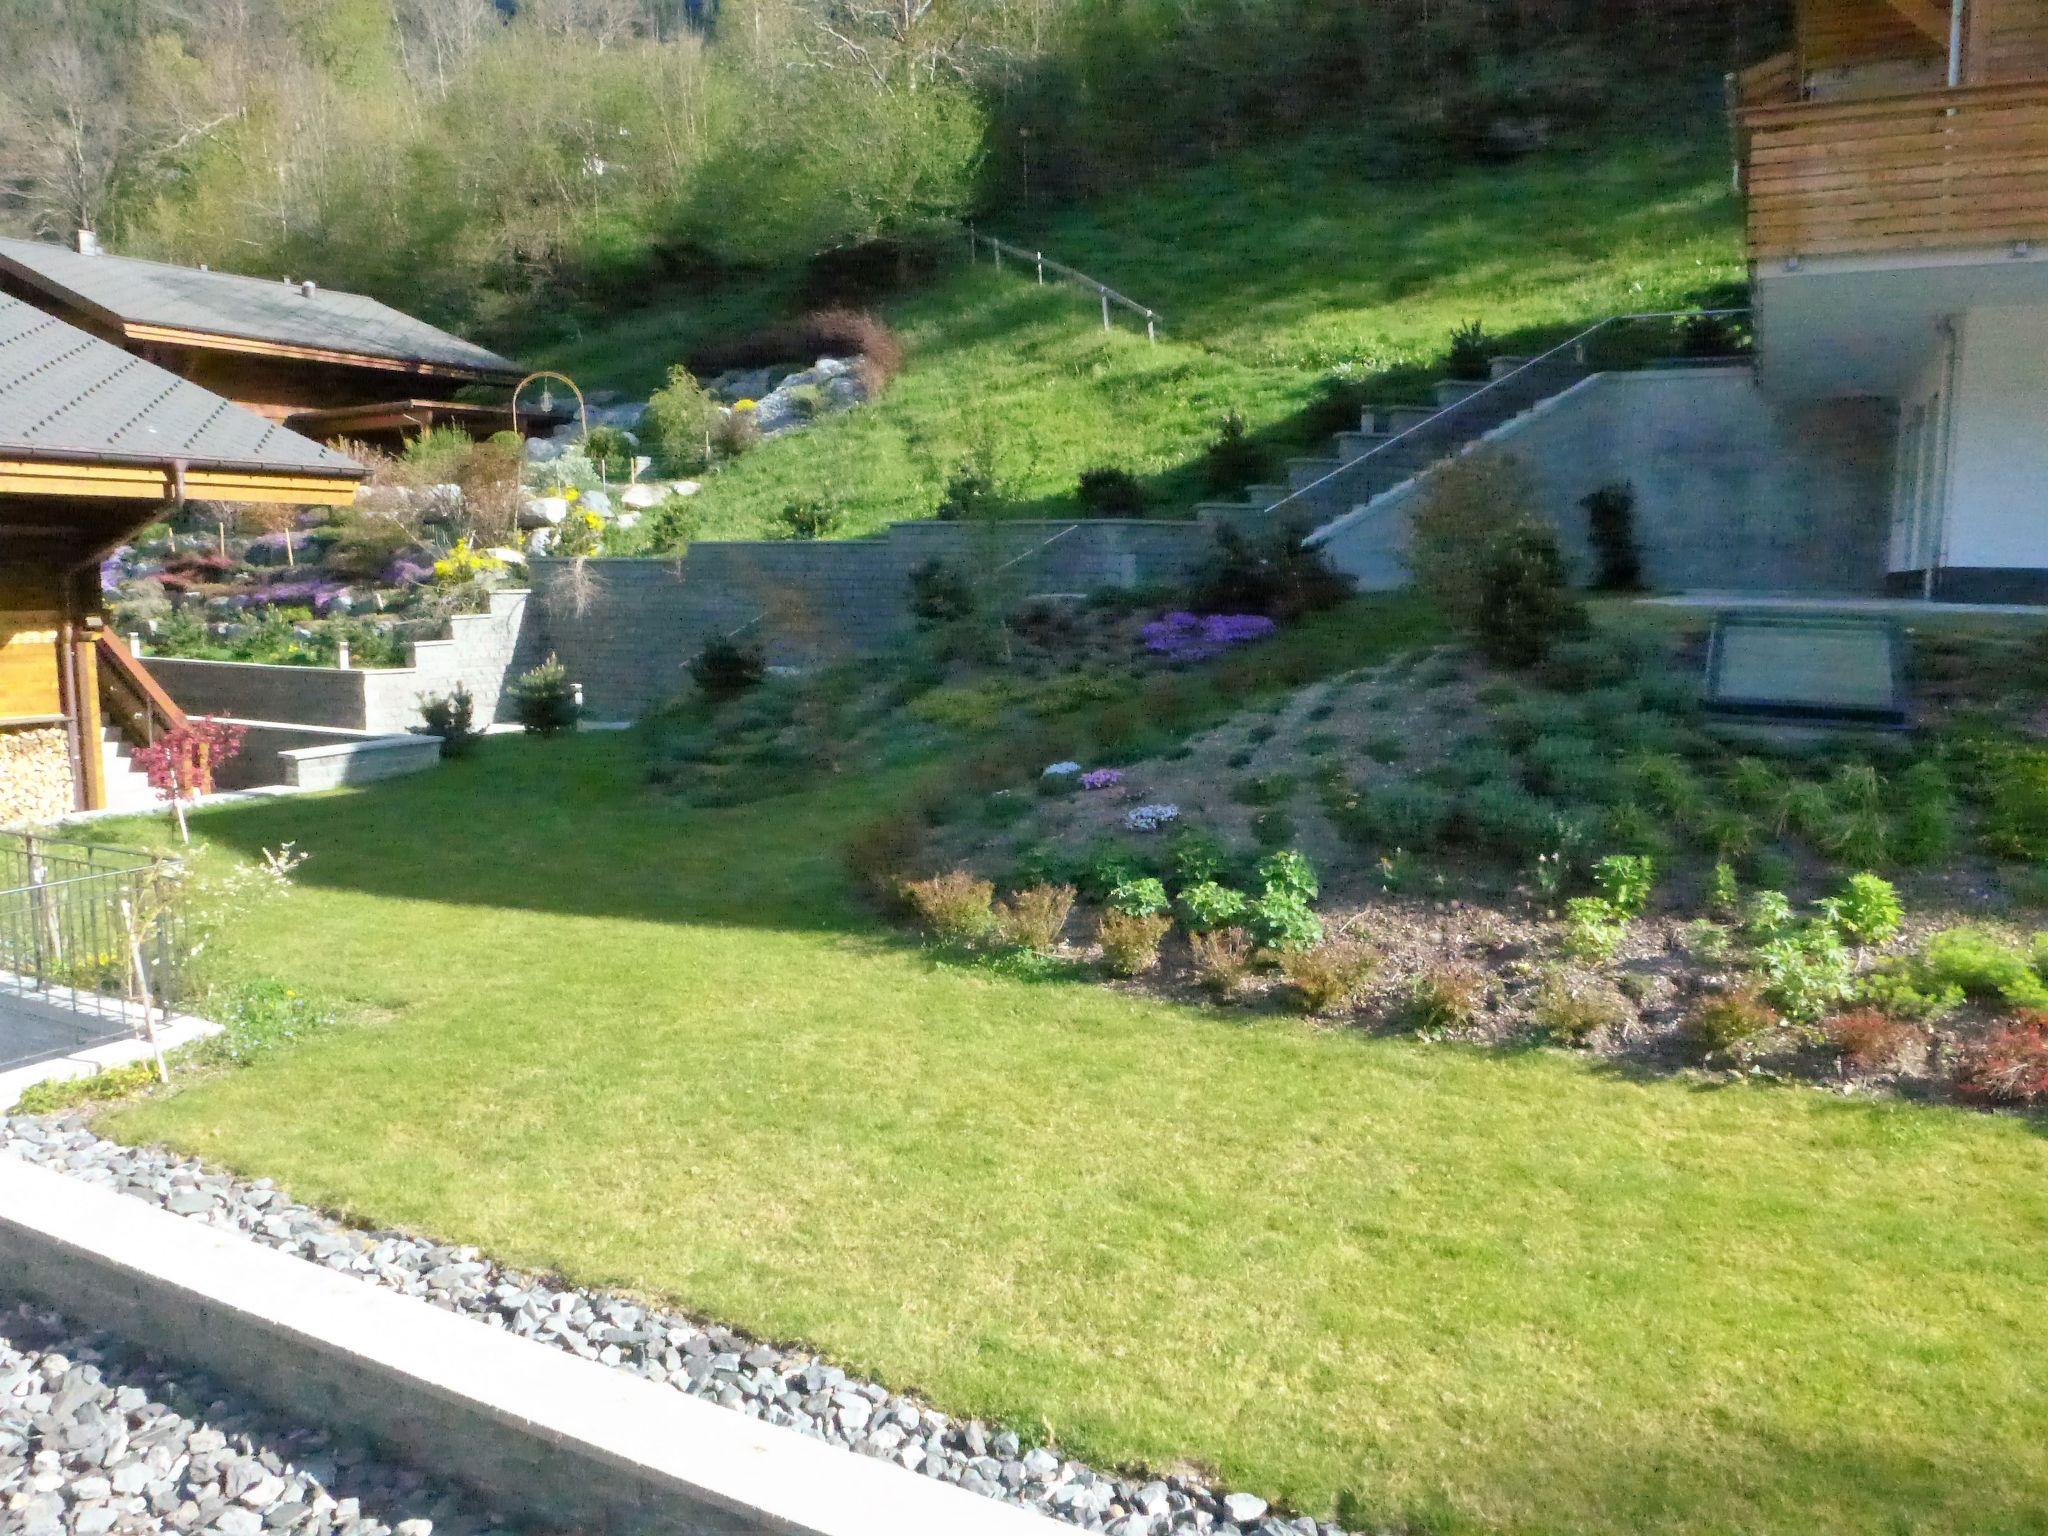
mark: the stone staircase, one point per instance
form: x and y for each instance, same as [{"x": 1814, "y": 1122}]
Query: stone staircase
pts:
[
  {"x": 127, "y": 785},
  {"x": 1396, "y": 443}
]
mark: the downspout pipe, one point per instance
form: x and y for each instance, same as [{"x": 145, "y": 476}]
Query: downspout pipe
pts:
[
  {"x": 1955, "y": 43},
  {"x": 1951, "y": 370}
]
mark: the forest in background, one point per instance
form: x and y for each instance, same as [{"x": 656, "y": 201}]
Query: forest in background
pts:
[{"x": 466, "y": 156}]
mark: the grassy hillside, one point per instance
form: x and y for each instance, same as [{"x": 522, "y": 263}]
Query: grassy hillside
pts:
[{"x": 1272, "y": 272}]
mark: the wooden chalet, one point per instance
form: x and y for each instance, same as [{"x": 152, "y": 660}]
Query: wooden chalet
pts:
[
  {"x": 1895, "y": 162},
  {"x": 94, "y": 444},
  {"x": 333, "y": 366}
]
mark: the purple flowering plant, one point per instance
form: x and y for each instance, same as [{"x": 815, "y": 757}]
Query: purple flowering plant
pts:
[
  {"x": 1182, "y": 636},
  {"x": 1102, "y": 778}
]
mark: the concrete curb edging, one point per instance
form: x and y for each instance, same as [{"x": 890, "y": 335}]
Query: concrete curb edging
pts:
[{"x": 543, "y": 1435}]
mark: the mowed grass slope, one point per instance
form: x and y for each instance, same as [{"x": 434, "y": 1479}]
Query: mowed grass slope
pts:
[
  {"x": 1412, "y": 1285},
  {"x": 1272, "y": 270}
]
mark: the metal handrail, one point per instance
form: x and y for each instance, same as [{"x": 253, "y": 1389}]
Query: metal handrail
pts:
[
  {"x": 1042, "y": 264},
  {"x": 1493, "y": 389}
]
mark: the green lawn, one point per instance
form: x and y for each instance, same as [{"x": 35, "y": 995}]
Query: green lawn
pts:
[
  {"x": 1272, "y": 270},
  {"x": 1418, "y": 1286}
]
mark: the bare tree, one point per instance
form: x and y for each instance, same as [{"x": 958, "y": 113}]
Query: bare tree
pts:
[
  {"x": 64, "y": 133},
  {"x": 438, "y": 37}
]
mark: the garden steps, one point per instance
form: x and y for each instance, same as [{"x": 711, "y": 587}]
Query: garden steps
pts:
[
  {"x": 1394, "y": 444},
  {"x": 127, "y": 786}
]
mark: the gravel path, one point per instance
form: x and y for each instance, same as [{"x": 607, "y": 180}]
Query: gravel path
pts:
[
  {"x": 777, "y": 1386},
  {"x": 96, "y": 1440}
]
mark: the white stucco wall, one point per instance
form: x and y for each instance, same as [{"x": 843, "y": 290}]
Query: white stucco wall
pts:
[{"x": 1998, "y": 471}]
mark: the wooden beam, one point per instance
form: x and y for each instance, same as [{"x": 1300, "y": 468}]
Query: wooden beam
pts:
[
  {"x": 1929, "y": 20},
  {"x": 219, "y": 341},
  {"x": 148, "y": 482}
]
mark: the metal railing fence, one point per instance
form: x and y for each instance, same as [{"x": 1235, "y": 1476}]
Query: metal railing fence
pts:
[
  {"x": 87, "y": 928},
  {"x": 1041, "y": 264}
]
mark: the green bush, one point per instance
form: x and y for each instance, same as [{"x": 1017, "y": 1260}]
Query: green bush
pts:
[
  {"x": 1111, "y": 492},
  {"x": 452, "y": 717},
  {"x": 1289, "y": 873},
  {"x": 56, "y": 1095},
  {"x": 1625, "y": 881},
  {"x": 1195, "y": 857},
  {"x": 1282, "y": 921},
  {"x": 1143, "y": 897},
  {"x": 1867, "y": 910},
  {"x": 1470, "y": 358},
  {"x": 2018, "y": 822},
  {"x": 681, "y": 422},
  {"x": 940, "y": 593},
  {"x": 1982, "y": 966},
  {"x": 1208, "y": 906},
  {"x": 611, "y": 450},
  {"x": 1105, "y": 867},
  {"x": 1593, "y": 930},
  {"x": 806, "y": 520},
  {"x": 1234, "y": 460},
  {"x": 1611, "y": 529},
  {"x": 1528, "y": 604},
  {"x": 544, "y": 701},
  {"x": 725, "y": 669},
  {"x": 1805, "y": 973}
]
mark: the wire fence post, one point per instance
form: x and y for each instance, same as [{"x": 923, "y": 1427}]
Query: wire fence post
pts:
[
  {"x": 1152, "y": 328},
  {"x": 1105, "y": 309},
  {"x": 1040, "y": 256}
]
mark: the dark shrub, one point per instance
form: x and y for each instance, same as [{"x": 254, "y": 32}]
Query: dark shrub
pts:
[
  {"x": 1704, "y": 335},
  {"x": 1527, "y": 604},
  {"x": 1273, "y": 575},
  {"x": 1112, "y": 492},
  {"x": 1470, "y": 360},
  {"x": 452, "y": 717},
  {"x": 611, "y": 450},
  {"x": 1233, "y": 461},
  {"x": 856, "y": 333},
  {"x": 886, "y": 853},
  {"x": 970, "y": 493},
  {"x": 544, "y": 701},
  {"x": 366, "y": 546},
  {"x": 725, "y": 670},
  {"x": 807, "y": 520},
  {"x": 940, "y": 592},
  {"x": 1611, "y": 528}
]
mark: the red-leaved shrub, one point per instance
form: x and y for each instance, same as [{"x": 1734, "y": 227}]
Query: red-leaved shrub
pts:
[
  {"x": 2009, "y": 1065},
  {"x": 1869, "y": 1040}
]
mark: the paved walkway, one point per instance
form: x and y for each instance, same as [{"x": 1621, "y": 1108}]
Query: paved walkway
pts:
[{"x": 41, "y": 1040}]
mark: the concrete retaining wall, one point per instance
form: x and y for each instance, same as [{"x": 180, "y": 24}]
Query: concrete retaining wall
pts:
[
  {"x": 544, "y": 1436},
  {"x": 478, "y": 652},
  {"x": 626, "y": 629},
  {"x": 1733, "y": 491},
  {"x": 321, "y": 757}
]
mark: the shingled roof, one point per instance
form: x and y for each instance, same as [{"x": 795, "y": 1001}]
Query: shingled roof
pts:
[
  {"x": 130, "y": 292},
  {"x": 65, "y": 394}
]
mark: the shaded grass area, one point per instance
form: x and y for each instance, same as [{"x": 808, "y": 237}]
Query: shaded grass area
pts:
[
  {"x": 1273, "y": 270},
  {"x": 661, "y": 1048}
]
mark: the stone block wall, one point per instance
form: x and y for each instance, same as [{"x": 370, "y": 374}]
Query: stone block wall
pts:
[
  {"x": 35, "y": 775},
  {"x": 626, "y": 629},
  {"x": 478, "y": 651}
]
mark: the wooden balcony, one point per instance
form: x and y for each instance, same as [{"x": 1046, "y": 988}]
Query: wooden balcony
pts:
[{"x": 1925, "y": 171}]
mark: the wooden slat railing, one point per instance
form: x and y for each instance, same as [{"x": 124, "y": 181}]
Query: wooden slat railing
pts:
[
  {"x": 1920, "y": 171},
  {"x": 135, "y": 703}
]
